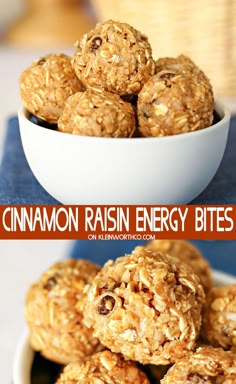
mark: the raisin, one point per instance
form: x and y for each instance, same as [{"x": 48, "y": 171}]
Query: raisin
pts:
[
  {"x": 96, "y": 43},
  {"x": 147, "y": 110},
  {"x": 41, "y": 61},
  {"x": 106, "y": 305},
  {"x": 50, "y": 283},
  {"x": 167, "y": 76}
]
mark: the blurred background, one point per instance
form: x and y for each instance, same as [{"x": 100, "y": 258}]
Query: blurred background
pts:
[
  {"x": 46, "y": 23},
  {"x": 205, "y": 30}
]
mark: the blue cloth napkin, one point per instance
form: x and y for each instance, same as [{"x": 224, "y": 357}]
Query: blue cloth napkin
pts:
[
  {"x": 19, "y": 186},
  {"x": 222, "y": 189},
  {"x": 17, "y": 182},
  {"x": 220, "y": 254}
]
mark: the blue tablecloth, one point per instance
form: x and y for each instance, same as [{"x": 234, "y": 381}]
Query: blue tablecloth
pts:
[
  {"x": 17, "y": 183},
  {"x": 220, "y": 254},
  {"x": 19, "y": 186}
]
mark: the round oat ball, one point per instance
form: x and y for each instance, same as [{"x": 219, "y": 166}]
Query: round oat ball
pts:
[
  {"x": 219, "y": 317},
  {"x": 205, "y": 366},
  {"x": 180, "y": 63},
  {"x": 97, "y": 113},
  {"x": 174, "y": 102},
  {"x": 51, "y": 310},
  {"x": 104, "y": 367},
  {"x": 187, "y": 253},
  {"x": 146, "y": 306},
  {"x": 115, "y": 57},
  {"x": 46, "y": 84}
]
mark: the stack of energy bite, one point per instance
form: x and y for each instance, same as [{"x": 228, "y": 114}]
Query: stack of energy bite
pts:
[
  {"x": 112, "y": 87},
  {"x": 152, "y": 316}
]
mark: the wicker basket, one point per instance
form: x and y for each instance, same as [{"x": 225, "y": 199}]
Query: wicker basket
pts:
[{"x": 204, "y": 30}]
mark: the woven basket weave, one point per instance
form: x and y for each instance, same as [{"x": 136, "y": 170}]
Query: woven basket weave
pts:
[{"x": 204, "y": 30}]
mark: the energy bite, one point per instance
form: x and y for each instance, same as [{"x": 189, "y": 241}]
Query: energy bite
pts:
[
  {"x": 97, "y": 113},
  {"x": 206, "y": 366},
  {"x": 115, "y": 57},
  {"x": 46, "y": 84},
  {"x": 219, "y": 317},
  {"x": 103, "y": 367},
  {"x": 187, "y": 253},
  {"x": 180, "y": 63},
  {"x": 145, "y": 305},
  {"x": 174, "y": 102},
  {"x": 51, "y": 310}
]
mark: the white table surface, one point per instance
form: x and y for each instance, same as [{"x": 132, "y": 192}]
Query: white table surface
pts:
[{"x": 21, "y": 261}]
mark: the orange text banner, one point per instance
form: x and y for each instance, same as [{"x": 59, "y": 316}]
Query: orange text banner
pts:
[{"x": 118, "y": 222}]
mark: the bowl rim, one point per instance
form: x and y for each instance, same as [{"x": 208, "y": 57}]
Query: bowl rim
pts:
[
  {"x": 24, "y": 351},
  {"x": 23, "y": 359},
  {"x": 219, "y": 107}
]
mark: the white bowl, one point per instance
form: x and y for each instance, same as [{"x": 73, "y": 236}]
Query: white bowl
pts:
[
  {"x": 93, "y": 170},
  {"x": 23, "y": 360},
  {"x": 24, "y": 353}
]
